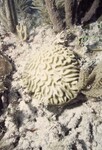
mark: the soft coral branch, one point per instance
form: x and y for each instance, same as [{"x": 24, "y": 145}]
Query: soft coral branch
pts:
[{"x": 91, "y": 11}]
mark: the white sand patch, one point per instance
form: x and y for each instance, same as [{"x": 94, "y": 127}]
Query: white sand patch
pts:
[{"x": 32, "y": 126}]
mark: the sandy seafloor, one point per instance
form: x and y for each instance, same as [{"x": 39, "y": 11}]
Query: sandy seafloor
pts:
[{"x": 27, "y": 125}]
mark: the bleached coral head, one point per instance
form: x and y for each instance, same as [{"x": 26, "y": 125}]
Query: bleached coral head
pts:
[{"x": 51, "y": 75}]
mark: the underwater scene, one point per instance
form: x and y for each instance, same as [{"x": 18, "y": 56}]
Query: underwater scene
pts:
[{"x": 50, "y": 75}]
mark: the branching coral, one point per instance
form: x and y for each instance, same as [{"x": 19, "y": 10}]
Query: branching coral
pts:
[
  {"x": 22, "y": 31},
  {"x": 91, "y": 11}
]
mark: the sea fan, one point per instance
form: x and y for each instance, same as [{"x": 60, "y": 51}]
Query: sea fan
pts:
[{"x": 27, "y": 12}]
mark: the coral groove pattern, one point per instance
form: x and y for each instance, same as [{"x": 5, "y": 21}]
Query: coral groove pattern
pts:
[{"x": 52, "y": 74}]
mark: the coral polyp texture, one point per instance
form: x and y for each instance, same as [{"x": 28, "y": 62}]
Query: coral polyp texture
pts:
[{"x": 52, "y": 74}]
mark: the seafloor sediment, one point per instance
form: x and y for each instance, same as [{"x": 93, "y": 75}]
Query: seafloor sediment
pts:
[{"x": 28, "y": 125}]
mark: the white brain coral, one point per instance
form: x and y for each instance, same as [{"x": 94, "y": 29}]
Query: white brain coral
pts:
[{"x": 51, "y": 75}]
